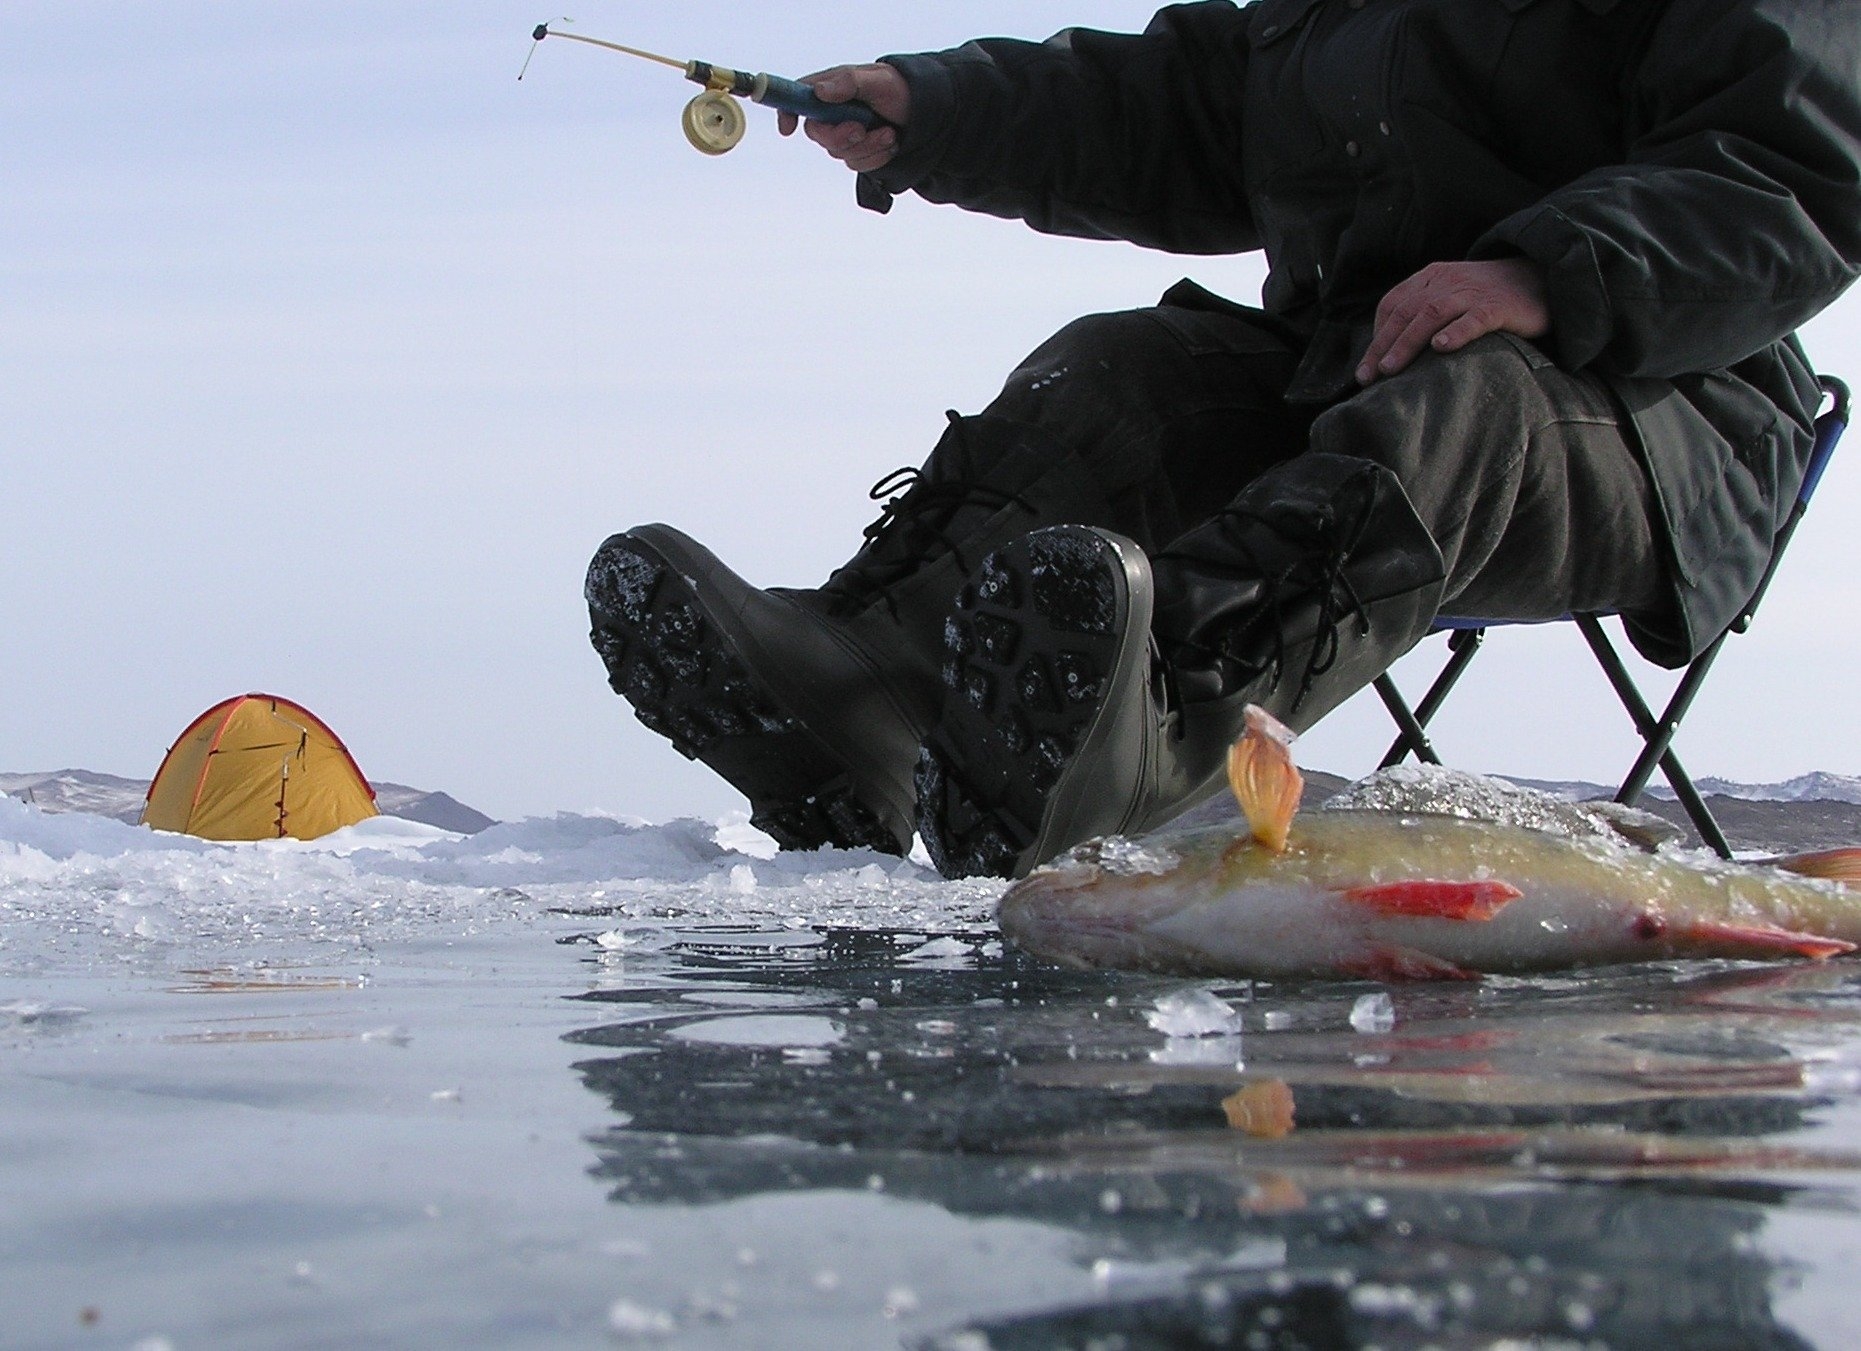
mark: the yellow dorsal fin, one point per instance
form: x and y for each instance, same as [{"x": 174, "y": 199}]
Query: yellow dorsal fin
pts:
[{"x": 1265, "y": 781}]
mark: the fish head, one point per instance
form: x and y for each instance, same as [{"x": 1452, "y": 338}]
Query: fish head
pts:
[{"x": 1096, "y": 904}]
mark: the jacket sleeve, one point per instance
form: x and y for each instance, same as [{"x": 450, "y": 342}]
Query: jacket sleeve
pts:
[
  {"x": 1100, "y": 135},
  {"x": 1737, "y": 213}
]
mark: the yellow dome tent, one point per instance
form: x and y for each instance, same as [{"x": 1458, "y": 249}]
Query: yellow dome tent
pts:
[{"x": 258, "y": 768}]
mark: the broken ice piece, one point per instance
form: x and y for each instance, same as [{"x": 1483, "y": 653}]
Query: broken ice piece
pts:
[
  {"x": 635, "y": 1322},
  {"x": 1374, "y": 1013},
  {"x": 29, "y": 1013},
  {"x": 1193, "y": 1013}
]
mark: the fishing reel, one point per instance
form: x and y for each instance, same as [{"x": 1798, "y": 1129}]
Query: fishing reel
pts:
[{"x": 714, "y": 123}]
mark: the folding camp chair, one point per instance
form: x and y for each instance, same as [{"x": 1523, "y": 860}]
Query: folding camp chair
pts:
[{"x": 1657, "y": 734}]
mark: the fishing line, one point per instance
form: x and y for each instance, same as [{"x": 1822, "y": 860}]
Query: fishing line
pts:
[{"x": 714, "y": 121}]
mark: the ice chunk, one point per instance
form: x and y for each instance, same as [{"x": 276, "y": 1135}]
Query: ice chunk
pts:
[
  {"x": 1374, "y": 1013},
  {"x": 1433, "y": 790},
  {"x": 30, "y": 1013},
  {"x": 1132, "y": 858},
  {"x": 637, "y": 1323},
  {"x": 1193, "y": 1013}
]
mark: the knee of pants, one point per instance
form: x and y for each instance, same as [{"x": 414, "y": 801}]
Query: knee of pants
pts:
[
  {"x": 1091, "y": 373},
  {"x": 1457, "y": 415}
]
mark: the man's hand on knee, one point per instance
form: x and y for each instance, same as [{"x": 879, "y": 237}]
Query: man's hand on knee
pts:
[
  {"x": 881, "y": 88},
  {"x": 1447, "y": 305}
]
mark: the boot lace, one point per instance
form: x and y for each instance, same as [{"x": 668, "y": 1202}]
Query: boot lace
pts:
[
  {"x": 915, "y": 520},
  {"x": 1323, "y": 546}
]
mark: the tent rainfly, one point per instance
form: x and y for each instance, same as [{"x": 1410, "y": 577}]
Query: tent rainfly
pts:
[{"x": 258, "y": 767}]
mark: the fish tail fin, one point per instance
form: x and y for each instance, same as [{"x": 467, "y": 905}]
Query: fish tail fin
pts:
[
  {"x": 1266, "y": 782},
  {"x": 1831, "y": 865}
]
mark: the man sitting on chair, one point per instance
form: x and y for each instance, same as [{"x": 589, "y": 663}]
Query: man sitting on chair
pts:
[{"x": 1525, "y": 348}]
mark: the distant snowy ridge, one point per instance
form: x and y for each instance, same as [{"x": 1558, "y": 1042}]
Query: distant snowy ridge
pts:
[
  {"x": 1816, "y": 787},
  {"x": 83, "y": 790}
]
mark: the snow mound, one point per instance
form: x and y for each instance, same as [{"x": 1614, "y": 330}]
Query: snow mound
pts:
[{"x": 76, "y": 884}]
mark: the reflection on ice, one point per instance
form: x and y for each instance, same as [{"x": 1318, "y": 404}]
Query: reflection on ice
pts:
[{"x": 1461, "y": 1187}]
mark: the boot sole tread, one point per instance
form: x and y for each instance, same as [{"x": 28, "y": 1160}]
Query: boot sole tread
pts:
[
  {"x": 1028, "y": 655},
  {"x": 669, "y": 661}
]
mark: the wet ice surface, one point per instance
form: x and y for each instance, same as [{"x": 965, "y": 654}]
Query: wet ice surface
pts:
[{"x": 585, "y": 1084}]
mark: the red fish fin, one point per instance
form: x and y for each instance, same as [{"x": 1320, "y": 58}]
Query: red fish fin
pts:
[
  {"x": 1833, "y": 865},
  {"x": 1390, "y": 962},
  {"x": 1265, "y": 781},
  {"x": 1761, "y": 940},
  {"x": 1436, "y": 900}
]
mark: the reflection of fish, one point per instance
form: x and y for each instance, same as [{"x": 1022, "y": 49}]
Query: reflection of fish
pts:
[{"x": 1390, "y": 895}]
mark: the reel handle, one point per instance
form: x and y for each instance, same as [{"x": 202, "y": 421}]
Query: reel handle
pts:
[{"x": 792, "y": 96}]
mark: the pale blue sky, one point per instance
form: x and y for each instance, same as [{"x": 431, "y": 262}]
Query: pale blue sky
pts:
[{"x": 331, "y": 352}]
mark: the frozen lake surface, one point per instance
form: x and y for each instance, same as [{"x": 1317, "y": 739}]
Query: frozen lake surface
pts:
[{"x": 574, "y": 1082}]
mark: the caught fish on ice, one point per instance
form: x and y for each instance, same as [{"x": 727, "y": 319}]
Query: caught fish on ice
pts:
[{"x": 1389, "y": 893}]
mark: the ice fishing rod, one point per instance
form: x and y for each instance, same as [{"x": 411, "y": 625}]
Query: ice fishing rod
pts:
[{"x": 714, "y": 121}]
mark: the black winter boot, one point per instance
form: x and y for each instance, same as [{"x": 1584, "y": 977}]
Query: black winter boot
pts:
[
  {"x": 783, "y": 703},
  {"x": 1088, "y": 699},
  {"x": 813, "y": 703}
]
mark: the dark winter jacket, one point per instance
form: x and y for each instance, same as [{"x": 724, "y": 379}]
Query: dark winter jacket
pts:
[{"x": 1687, "y": 172}]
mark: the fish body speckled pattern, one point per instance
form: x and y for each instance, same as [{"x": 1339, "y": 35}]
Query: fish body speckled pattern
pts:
[{"x": 1394, "y": 895}]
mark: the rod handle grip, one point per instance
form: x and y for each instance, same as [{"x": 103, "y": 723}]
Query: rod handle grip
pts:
[{"x": 792, "y": 96}]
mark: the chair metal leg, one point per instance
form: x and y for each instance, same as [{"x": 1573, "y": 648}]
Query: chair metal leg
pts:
[
  {"x": 1659, "y": 733},
  {"x": 1412, "y": 736},
  {"x": 1462, "y": 645}
]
